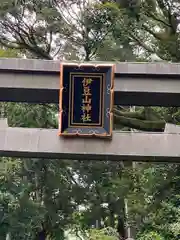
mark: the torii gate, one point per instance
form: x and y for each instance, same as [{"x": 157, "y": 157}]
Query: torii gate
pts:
[{"x": 140, "y": 84}]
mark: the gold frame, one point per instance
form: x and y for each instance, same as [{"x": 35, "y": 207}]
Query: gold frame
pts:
[{"x": 101, "y": 102}]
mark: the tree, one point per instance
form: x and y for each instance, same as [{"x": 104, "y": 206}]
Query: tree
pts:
[
  {"x": 153, "y": 26},
  {"x": 57, "y": 26},
  {"x": 60, "y": 187},
  {"x": 54, "y": 26},
  {"x": 17, "y": 208}
]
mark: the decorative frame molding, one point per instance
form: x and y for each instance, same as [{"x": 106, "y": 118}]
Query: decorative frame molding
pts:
[{"x": 72, "y": 76}]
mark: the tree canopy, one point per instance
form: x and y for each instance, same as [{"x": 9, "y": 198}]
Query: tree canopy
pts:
[{"x": 43, "y": 199}]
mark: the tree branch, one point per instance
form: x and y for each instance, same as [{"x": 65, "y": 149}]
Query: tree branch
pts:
[
  {"x": 143, "y": 125},
  {"x": 149, "y": 14},
  {"x": 154, "y": 34},
  {"x": 141, "y": 43},
  {"x": 137, "y": 114}
]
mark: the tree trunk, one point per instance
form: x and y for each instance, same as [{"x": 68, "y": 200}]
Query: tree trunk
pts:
[
  {"x": 121, "y": 228},
  {"x": 41, "y": 235},
  {"x": 111, "y": 215}
]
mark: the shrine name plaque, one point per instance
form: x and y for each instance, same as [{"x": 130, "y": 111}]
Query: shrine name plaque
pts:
[{"x": 86, "y": 100}]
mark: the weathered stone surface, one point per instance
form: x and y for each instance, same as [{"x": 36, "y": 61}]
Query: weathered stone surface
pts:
[{"x": 29, "y": 142}]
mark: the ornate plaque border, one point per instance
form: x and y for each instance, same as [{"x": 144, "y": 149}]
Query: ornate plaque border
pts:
[{"x": 104, "y": 130}]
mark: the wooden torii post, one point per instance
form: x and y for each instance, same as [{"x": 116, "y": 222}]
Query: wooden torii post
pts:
[{"x": 140, "y": 84}]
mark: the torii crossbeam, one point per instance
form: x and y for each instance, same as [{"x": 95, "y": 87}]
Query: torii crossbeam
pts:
[
  {"x": 140, "y": 84},
  {"x": 31, "y": 142},
  {"x": 143, "y": 84}
]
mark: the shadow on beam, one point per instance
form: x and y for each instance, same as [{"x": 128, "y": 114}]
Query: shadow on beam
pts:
[
  {"x": 45, "y": 143},
  {"x": 120, "y": 98}
]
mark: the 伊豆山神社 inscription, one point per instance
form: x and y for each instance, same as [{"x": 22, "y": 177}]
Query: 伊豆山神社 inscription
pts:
[
  {"x": 89, "y": 100},
  {"x": 86, "y": 107},
  {"x": 86, "y": 95}
]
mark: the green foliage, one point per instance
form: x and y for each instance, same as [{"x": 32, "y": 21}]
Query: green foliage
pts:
[
  {"x": 103, "y": 234},
  {"x": 57, "y": 195},
  {"x": 20, "y": 215},
  {"x": 151, "y": 236},
  {"x": 9, "y": 53}
]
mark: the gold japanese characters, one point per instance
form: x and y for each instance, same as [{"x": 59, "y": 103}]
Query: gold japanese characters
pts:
[{"x": 86, "y": 100}]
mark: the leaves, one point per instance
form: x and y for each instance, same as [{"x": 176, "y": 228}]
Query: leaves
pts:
[{"x": 50, "y": 197}]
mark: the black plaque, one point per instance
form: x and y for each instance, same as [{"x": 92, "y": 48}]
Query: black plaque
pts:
[{"x": 86, "y": 100}]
